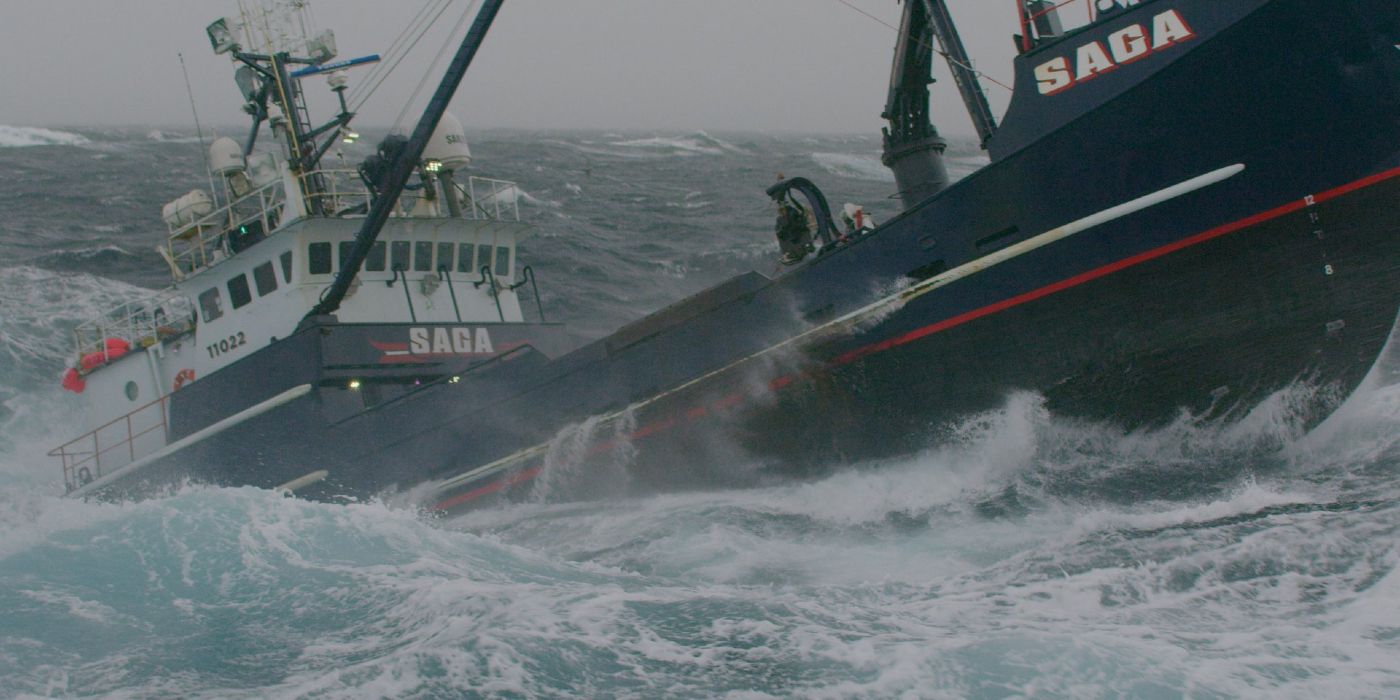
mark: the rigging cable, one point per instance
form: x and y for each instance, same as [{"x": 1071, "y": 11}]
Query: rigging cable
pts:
[
  {"x": 397, "y": 51},
  {"x": 432, "y": 69},
  {"x": 391, "y": 55},
  {"x": 421, "y": 31},
  {"x": 934, "y": 49},
  {"x": 199, "y": 130}
]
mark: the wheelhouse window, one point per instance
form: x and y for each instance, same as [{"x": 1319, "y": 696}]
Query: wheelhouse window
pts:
[
  {"x": 483, "y": 256},
  {"x": 286, "y": 259},
  {"x": 422, "y": 256},
  {"x": 346, "y": 247},
  {"x": 374, "y": 262},
  {"x": 444, "y": 256},
  {"x": 398, "y": 255},
  {"x": 318, "y": 256},
  {"x": 238, "y": 293},
  {"x": 464, "y": 257},
  {"x": 211, "y": 303},
  {"x": 265, "y": 279},
  {"x": 502, "y": 261}
]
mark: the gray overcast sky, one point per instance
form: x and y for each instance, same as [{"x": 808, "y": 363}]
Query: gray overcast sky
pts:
[{"x": 667, "y": 65}]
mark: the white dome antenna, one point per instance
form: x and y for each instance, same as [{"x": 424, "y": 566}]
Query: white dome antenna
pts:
[
  {"x": 226, "y": 156},
  {"x": 448, "y": 146}
]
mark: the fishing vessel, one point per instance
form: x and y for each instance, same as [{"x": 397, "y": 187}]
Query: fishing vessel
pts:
[{"x": 1190, "y": 206}]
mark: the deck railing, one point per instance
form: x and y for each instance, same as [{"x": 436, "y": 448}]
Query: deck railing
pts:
[
  {"x": 211, "y": 238},
  {"x": 140, "y": 323},
  {"x": 204, "y": 241},
  {"x": 114, "y": 444},
  {"x": 491, "y": 199},
  {"x": 343, "y": 193}
]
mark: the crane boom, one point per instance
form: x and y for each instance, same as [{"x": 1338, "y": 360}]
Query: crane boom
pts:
[
  {"x": 912, "y": 147},
  {"x": 941, "y": 22}
]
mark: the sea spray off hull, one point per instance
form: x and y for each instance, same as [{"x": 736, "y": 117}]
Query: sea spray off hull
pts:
[{"x": 1192, "y": 230}]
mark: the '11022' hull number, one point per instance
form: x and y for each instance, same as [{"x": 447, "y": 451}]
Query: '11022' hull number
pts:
[{"x": 226, "y": 344}]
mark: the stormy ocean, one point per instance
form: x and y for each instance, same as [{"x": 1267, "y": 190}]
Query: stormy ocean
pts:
[{"x": 1030, "y": 556}]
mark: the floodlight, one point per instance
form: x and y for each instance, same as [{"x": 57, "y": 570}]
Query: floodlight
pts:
[
  {"x": 221, "y": 37},
  {"x": 249, "y": 83},
  {"x": 322, "y": 47}
]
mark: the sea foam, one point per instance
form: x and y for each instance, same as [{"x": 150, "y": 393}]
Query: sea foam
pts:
[{"x": 23, "y": 136}]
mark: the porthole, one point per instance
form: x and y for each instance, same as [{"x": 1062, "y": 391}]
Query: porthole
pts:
[{"x": 132, "y": 391}]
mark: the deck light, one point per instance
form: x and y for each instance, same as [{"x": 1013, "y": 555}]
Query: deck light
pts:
[
  {"x": 354, "y": 384},
  {"x": 221, "y": 35},
  {"x": 432, "y": 166},
  {"x": 348, "y": 136}
]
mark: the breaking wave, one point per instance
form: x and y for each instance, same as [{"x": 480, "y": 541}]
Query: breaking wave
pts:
[
  {"x": 38, "y": 311},
  {"x": 957, "y": 573},
  {"x": 699, "y": 143},
  {"x": 24, "y": 136},
  {"x": 854, "y": 166}
]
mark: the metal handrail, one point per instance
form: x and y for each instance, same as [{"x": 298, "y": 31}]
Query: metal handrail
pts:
[
  {"x": 527, "y": 274},
  {"x": 446, "y": 275},
  {"x": 75, "y": 462},
  {"x": 343, "y": 191},
  {"x": 498, "y": 189},
  {"x": 141, "y": 323},
  {"x": 203, "y": 242},
  {"x": 488, "y": 276},
  {"x": 407, "y": 297}
]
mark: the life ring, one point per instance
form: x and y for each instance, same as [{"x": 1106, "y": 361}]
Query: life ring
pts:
[
  {"x": 84, "y": 476},
  {"x": 183, "y": 377}
]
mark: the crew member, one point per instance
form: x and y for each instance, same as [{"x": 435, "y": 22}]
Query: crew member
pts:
[{"x": 794, "y": 236}]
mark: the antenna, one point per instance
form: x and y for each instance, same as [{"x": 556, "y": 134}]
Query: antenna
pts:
[{"x": 199, "y": 130}]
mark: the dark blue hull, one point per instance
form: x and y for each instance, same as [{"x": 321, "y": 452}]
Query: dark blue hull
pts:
[{"x": 1206, "y": 299}]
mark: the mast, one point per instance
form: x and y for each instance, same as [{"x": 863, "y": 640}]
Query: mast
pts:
[
  {"x": 271, "y": 88},
  {"x": 407, "y": 161}
]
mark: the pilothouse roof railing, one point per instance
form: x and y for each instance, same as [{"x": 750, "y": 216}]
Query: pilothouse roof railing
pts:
[{"x": 219, "y": 235}]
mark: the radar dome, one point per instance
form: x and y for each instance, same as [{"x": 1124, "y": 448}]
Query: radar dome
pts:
[
  {"x": 448, "y": 145},
  {"x": 225, "y": 156}
]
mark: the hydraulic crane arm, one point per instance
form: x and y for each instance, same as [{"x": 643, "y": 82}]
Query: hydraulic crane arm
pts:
[
  {"x": 913, "y": 148},
  {"x": 961, "y": 65}
]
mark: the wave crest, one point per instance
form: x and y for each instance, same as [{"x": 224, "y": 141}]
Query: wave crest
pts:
[
  {"x": 699, "y": 143},
  {"x": 854, "y": 166},
  {"x": 38, "y": 310},
  {"x": 25, "y": 136}
]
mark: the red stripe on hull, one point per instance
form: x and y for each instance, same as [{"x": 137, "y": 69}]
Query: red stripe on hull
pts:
[
  {"x": 493, "y": 487},
  {"x": 732, "y": 400}
]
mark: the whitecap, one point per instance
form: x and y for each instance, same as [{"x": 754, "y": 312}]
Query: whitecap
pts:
[
  {"x": 699, "y": 143},
  {"x": 39, "y": 308},
  {"x": 859, "y": 167},
  {"x": 23, "y": 136}
]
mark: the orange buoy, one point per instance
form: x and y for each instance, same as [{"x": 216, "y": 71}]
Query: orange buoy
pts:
[
  {"x": 112, "y": 349},
  {"x": 73, "y": 381}
]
